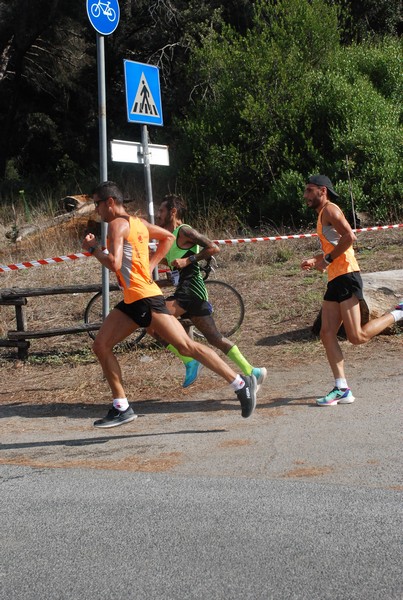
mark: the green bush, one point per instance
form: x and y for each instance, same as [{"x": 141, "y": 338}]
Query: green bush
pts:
[{"x": 285, "y": 101}]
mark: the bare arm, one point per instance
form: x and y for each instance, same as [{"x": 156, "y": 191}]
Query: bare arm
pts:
[
  {"x": 165, "y": 241},
  {"x": 117, "y": 230},
  {"x": 333, "y": 216},
  {"x": 190, "y": 237}
]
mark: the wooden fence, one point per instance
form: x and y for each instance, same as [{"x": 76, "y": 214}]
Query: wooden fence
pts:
[{"x": 17, "y": 297}]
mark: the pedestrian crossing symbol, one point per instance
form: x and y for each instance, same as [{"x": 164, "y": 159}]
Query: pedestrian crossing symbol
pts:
[
  {"x": 143, "y": 96},
  {"x": 144, "y": 103}
]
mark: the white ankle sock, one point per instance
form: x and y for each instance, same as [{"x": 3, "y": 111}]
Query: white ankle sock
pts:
[
  {"x": 341, "y": 383},
  {"x": 121, "y": 404},
  {"x": 238, "y": 383},
  {"x": 397, "y": 315}
]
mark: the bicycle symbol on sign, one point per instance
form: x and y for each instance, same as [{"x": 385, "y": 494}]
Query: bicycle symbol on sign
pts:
[{"x": 105, "y": 8}]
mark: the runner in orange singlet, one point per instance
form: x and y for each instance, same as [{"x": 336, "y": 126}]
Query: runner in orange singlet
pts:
[
  {"x": 344, "y": 288},
  {"x": 143, "y": 304}
]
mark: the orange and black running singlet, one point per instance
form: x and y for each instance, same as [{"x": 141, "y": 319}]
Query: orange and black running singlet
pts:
[
  {"x": 329, "y": 238},
  {"x": 134, "y": 275}
]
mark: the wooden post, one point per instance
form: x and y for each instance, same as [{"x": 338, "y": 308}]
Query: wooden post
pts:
[{"x": 21, "y": 322}]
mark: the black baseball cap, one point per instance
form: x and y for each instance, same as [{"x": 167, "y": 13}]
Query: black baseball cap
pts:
[{"x": 323, "y": 181}]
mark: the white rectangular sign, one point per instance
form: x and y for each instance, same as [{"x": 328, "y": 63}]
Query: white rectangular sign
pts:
[{"x": 132, "y": 152}]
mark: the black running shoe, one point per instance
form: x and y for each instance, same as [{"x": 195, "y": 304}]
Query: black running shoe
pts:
[
  {"x": 116, "y": 417},
  {"x": 247, "y": 395}
]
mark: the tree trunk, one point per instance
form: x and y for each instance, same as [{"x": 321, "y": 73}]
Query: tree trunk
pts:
[
  {"x": 78, "y": 218},
  {"x": 81, "y": 201}
]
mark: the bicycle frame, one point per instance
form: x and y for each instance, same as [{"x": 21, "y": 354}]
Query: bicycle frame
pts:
[
  {"x": 227, "y": 297},
  {"x": 105, "y": 8}
]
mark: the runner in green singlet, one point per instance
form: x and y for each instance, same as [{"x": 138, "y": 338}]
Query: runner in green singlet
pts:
[{"x": 190, "y": 298}]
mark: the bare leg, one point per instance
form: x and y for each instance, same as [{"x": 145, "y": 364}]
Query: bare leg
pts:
[
  {"x": 206, "y": 325},
  {"x": 172, "y": 332},
  {"x": 176, "y": 311},
  {"x": 331, "y": 321},
  {"x": 174, "y": 308},
  {"x": 116, "y": 327},
  {"x": 348, "y": 313},
  {"x": 208, "y": 328},
  {"x": 351, "y": 316},
  {"x": 203, "y": 354}
]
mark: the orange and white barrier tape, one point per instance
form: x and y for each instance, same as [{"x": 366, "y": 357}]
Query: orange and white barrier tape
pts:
[
  {"x": 296, "y": 236},
  {"x": 43, "y": 261},
  {"x": 58, "y": 259}
]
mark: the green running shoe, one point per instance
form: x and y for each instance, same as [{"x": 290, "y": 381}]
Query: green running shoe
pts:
[{"x": 336, "y": 396}]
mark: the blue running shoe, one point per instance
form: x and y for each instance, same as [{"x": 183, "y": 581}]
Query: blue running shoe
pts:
[
  {"x": 400, "y": 305},
  {"x": 260, "y": 374},
  {"x": 192, "y": 371},
  {"x": 336, "y": 396}
]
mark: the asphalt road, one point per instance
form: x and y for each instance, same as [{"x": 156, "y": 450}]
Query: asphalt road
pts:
[
  {"x": 90, "y": 534},
  {"x": 192, "y": 502}
]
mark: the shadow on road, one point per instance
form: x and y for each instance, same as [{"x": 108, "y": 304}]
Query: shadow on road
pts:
[
  {"x": 298, "y": 335},
  {"x": 88, "y": 411},
  {"x": 148, "y": 407},
  {"x": 104, "y": 440}
]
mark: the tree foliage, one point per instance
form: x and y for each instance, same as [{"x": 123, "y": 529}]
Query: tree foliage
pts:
[
  {"x": 368, "y": 18},
  {"x": 257, "y": 94},
  {"x": 285, "y": 100}
]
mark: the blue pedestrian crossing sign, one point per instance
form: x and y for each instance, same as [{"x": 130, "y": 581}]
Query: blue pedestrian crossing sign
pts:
[
  {"x": 143, "y": 94},
  {"x": 103, "y": 16}
]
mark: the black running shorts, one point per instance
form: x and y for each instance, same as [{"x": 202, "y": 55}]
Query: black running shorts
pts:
[
  {"x": 343, "y": 287},
  {"x": 194, "y": 307},
  {"x": 141, "y": 311}
]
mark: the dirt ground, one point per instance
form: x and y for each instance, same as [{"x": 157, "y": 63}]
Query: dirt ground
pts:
[{"x": 48, "y": 403}]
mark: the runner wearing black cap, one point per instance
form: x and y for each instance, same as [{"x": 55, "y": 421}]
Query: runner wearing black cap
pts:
[{"x": 344, "y": 288}]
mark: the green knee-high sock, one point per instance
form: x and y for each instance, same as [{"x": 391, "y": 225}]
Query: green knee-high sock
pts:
[
  {"x": 239, "y": 359},
  {"x": 184, "y": 359}
]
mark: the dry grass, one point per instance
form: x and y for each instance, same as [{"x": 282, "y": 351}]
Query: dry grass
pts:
[{"x": 280, "y": 299}]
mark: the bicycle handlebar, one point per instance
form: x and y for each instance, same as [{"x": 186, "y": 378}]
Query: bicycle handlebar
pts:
[{"x": 205, "y": 268}]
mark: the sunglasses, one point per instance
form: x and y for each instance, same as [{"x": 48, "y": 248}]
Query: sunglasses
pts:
[{"x": 98, "y": 202}]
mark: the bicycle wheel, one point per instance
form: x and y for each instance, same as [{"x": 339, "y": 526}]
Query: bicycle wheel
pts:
[
  {"x": 93, "y": 316},
  {"x": 111, "y": 15},
  {"x": 95, "y": 10},
  {"x": 228, "y": 307}
]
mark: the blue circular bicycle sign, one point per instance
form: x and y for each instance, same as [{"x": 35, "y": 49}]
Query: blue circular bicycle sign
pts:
[{"x": 104, "y": 16}]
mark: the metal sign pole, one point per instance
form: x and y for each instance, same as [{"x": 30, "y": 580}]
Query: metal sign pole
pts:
[
  {"x": 143, "y": 104},
  {"x": 147, "y": 175},
  {"x": 147, "y": 171},
  {"x": 104, "y": 17},
  {"x": 103, "y": 154}
]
